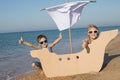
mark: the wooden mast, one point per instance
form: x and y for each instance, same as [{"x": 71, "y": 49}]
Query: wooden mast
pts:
[{"x": 70, "y": 36}]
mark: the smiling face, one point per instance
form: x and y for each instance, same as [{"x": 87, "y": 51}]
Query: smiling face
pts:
[
  {"x": 43, "y": 42},
  {"x": 92, "y": 32}
]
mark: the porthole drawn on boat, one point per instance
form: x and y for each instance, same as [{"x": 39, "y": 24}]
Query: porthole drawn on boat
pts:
[
  {"x": 60, "y": 59},
  {"x": 68, "y": 58},
  {"x": 77, "y": 57}
]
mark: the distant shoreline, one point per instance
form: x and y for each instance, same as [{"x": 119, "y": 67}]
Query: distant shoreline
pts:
[{"x": 55, "y": 29}]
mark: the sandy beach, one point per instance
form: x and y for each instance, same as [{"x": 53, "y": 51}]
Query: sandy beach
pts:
[{"x": 109, "y": 71}]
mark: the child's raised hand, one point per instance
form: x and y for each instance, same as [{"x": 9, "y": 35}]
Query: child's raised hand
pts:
[
  {"x": 60, "y": 35},
  {"x": 21, "y": 40}
]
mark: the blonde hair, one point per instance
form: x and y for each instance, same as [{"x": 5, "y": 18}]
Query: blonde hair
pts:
[{"x": 92, "y": 26}]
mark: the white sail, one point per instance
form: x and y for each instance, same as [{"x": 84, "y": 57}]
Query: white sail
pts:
[{"x": 66, "y": 15}]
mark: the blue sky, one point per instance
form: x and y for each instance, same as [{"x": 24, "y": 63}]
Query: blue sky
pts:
[{"x": 25, "y": 15}]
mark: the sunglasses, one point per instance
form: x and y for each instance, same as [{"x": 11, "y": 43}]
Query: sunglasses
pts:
[
  {"x": 41, "y": 42},
  {"x": 93, "y": 31}
]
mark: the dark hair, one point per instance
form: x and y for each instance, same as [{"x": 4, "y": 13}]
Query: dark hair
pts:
[{"x": 41, "y": 36}]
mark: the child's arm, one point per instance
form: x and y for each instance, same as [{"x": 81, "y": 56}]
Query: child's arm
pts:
[
  {"x": 21, "y": 41},
  {"x": 85, "y": 43},
  {"x": 57, "y": 40}
]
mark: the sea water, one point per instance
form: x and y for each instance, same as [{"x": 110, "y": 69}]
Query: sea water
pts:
[{"x": 15, "y": 58}]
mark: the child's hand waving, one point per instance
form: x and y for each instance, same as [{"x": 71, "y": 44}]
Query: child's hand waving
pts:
[{"x": 21, "y": 40}]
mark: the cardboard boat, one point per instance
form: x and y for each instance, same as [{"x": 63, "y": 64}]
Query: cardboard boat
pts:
[{"x": 55, "y": 65}]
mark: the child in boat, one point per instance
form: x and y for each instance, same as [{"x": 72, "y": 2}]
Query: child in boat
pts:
[
  {"x": 42, "y": 40},
  {"x": 92, "y": 35}
]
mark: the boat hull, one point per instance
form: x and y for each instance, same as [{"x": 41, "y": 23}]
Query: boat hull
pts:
[{"x": 55, "y": 65}]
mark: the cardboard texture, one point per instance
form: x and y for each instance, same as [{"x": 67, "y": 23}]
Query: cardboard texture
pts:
[{"x": 55, "y": 65}]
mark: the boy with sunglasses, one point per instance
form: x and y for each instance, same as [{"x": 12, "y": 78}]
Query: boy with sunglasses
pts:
[
  {"x": 42, "y": 40},
  {"x": 92, "y": 35}
]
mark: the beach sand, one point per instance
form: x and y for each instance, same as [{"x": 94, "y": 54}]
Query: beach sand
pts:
[{"x": 110, "y": 69}]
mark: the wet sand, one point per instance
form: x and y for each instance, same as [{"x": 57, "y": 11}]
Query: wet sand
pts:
[{"x": 109, "y": 71}]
